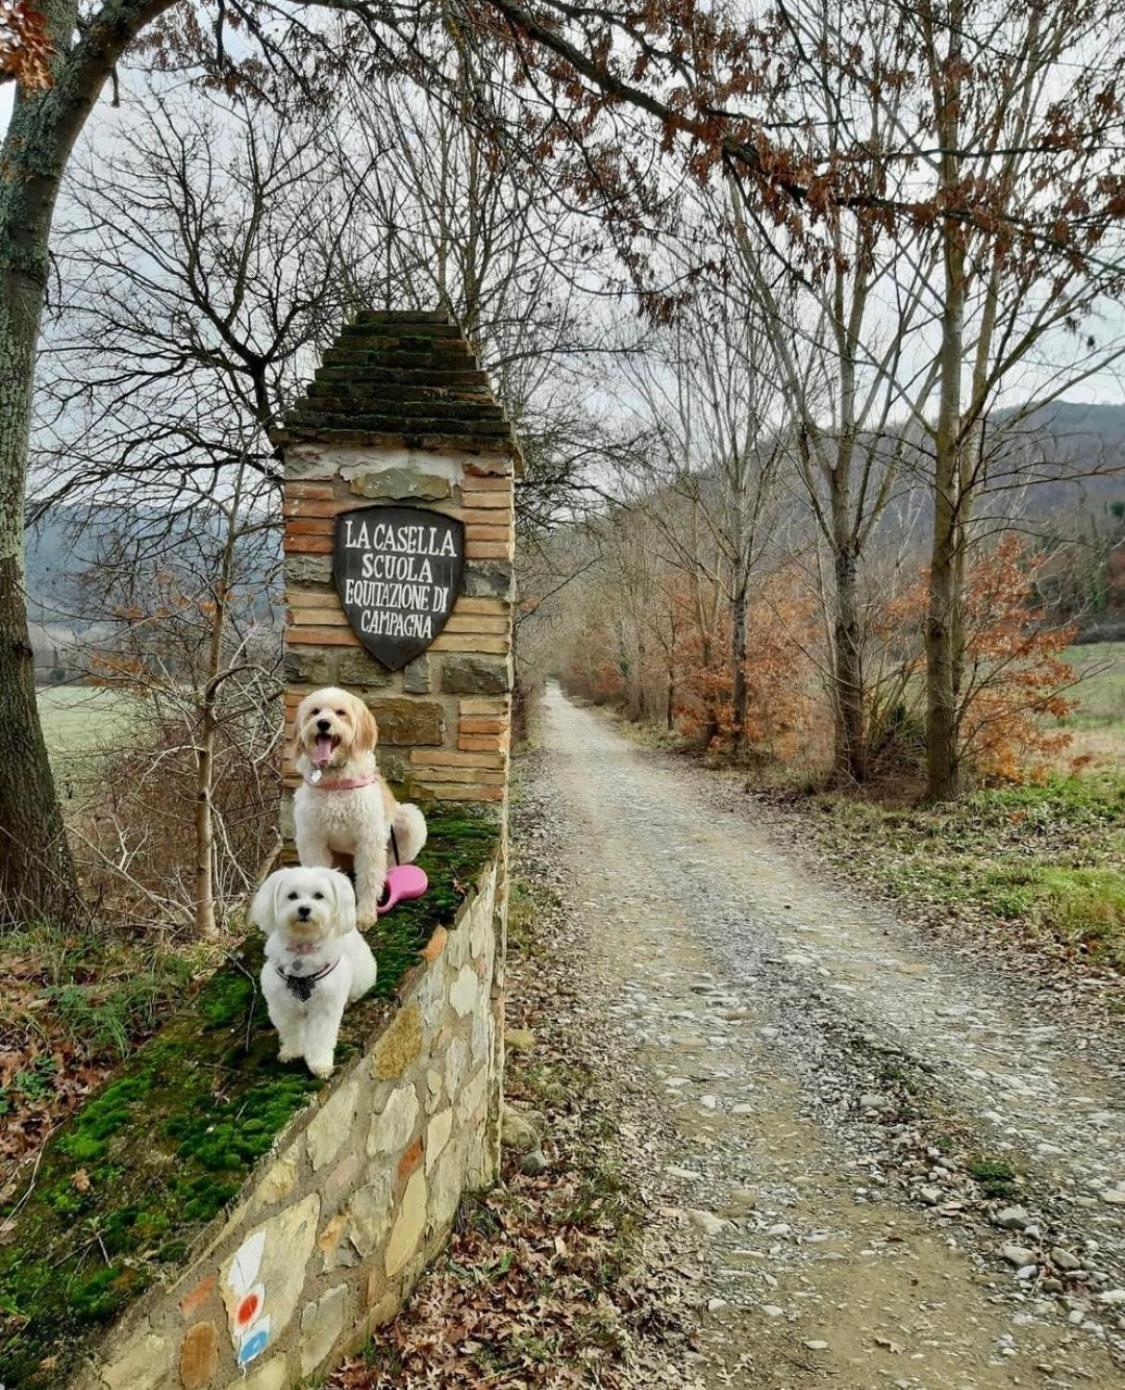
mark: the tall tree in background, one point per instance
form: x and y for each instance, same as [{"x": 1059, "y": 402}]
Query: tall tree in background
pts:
[
  {"x": 210, "y": 252},
  {"x": 599, "y": 93},
  {"x": 713, "y": 447},
  {"x": 849, "y": 352},
  {"x": 1040, "y": 158},
  {"x": 464, "y": 224}
]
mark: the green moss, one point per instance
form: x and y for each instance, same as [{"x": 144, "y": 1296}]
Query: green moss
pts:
[
  {"x": 129, "y": 1182},
  {"x": 996, "y": 1177},
  {"x": 103, "y": 1116}
]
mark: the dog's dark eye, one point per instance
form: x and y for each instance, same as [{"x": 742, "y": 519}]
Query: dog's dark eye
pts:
[
  {"x": 292, "y": 897},
  {"x": 318, "y": 896},
  {"x": 316, "y": 711},
  {"x": 340, "y": 712}
]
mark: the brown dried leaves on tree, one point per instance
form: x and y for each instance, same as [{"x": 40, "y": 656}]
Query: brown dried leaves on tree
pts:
[{"x": 25, "y": 50}]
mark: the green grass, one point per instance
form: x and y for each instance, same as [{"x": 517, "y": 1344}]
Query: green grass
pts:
[
  {"x": 82, "y": 723},
  {"x": 132, "y": 1177},
  {"x": 103, "y": 988},
  {"x": 78, "y": 718},
  {"x": 995, "y": 1177},
  {"x": 1047, "y": 860},
  {"x": 1100, "y": 668}
]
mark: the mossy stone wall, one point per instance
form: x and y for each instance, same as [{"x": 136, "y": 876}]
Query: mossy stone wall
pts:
[{"x": 213, "y": 1219}]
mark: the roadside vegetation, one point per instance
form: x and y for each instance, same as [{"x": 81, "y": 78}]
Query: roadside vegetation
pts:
[
  {"x": 1037, "y": 857},
  {"x": 1041, "y": 861}
]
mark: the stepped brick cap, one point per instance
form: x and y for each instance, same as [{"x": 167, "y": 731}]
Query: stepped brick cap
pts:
[{"x": 401, "y": 379}]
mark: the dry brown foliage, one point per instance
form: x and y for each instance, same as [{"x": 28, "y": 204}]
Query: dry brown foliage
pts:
[{"x": 25, "y": 50}]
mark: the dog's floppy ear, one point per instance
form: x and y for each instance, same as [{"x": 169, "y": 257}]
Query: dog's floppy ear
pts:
[
  {"x": 300, "y": 714},
  {"x": 344, "y": 895},
  {"x": 263, "y": 910},
  {"x": 366, "y": 730}
]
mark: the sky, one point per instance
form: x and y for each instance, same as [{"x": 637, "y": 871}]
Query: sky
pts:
[{"x": 1105, "y": 386}]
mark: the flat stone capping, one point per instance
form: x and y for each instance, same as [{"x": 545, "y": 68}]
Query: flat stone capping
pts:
[{"x": 209, "y": 1208}]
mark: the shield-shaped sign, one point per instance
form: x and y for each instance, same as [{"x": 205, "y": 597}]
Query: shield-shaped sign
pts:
[{"x": 398, "y": 574}]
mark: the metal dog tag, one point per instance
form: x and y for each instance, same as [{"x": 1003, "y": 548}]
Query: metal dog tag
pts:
[{"x": 315, "y": 775}]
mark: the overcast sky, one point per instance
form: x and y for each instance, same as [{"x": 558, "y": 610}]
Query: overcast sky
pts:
[{"x": 1104, "y": 387}]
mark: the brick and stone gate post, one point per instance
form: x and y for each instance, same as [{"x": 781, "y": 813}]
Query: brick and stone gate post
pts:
[{"x": 400, "y": 414}]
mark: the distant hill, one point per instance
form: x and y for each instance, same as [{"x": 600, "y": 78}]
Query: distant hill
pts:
[
  {"x": 58, "y": 548},
  {"x": 1081, "y": 426},
  {"x": 1075, "y": 438},
  {"x": 65, "y": 543}
]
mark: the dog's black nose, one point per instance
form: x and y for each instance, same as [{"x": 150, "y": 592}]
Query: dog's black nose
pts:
[
  {"x": 304, "y": 913},
  {"x": 323, "y": 725}
]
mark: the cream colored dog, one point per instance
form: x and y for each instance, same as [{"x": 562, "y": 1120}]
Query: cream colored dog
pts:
[{"x": 343, "y": 808}]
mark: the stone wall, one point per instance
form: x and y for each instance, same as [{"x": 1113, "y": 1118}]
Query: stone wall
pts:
[
  {"x": 400, "y": 413},
  {"x": 336, "y": 1223}
]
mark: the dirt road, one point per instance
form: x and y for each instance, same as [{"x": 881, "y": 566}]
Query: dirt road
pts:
[{"x": 876, "y": 1161}]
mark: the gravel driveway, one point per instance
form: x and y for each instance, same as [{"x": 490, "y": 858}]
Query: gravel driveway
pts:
[{"x": 874, "y": 1158}]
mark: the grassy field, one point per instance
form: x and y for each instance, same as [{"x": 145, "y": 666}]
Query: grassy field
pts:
[
  {"x": 1100, "y": 668},
  {"x": 1098, "y": 724},
  {"x": 79, "y": 720}
]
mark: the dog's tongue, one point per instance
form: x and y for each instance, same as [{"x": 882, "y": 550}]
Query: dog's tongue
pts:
[{"x": 323, "y": 749}]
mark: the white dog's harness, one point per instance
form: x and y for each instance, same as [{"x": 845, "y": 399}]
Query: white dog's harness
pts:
[{"x": 303, "y": 985}]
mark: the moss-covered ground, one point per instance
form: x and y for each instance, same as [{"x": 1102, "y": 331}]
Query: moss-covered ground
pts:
[
  {"x": 128, "y": 1183},
  {"x": 1043, "y": 861}
]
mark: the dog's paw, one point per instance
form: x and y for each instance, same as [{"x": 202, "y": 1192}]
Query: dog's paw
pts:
[
  {"x": 366, "y": 915},
  {"x": 320, "y": 1066},
  {"x": 288, "y": 1054}
]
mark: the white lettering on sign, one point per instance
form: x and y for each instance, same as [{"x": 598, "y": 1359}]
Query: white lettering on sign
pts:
[
  {"x": 409, "y": 540},
  {"x": 398, "y": 574}
]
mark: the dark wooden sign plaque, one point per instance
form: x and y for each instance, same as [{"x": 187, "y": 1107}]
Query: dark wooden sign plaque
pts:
[{"x": 398, "y": 574}]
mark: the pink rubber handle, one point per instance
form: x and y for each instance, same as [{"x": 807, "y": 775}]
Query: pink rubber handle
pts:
[{"x": 404, "y": 881}]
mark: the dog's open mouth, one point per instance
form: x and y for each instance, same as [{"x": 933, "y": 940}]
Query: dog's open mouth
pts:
[{"x": 326, "y": 745}]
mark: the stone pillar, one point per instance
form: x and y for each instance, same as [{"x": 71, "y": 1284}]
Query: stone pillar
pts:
[{"x": 400, "y": 413}]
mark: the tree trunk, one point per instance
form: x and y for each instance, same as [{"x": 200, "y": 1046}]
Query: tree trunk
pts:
[
  {"x": 739, "y": 696},
  {"x": 946, "y": 560},
  {"x": 943, "y": 623},
  {"x": 37, "y": 881},
  {"x": 37, "y": 878},
  {"x": 849, "y": 759},
  {"x": 943, "y": 773},
  {"x": 850, "y": 753},
  {"x": 204, "y": 825}
]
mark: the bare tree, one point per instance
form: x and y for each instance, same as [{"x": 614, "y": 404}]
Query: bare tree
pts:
[
  {"x": 715, "y": 444},
  {"x": 218, "y": 249},
  {"x": 211, "y": 252},
  {"x": 188, "y": 629},
  {"x": 849, "y": 344}
]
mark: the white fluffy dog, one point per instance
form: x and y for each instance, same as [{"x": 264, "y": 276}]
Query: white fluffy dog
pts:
[
  {"x": 316, "y": 960},
  {"x": 343, "y": 807}
]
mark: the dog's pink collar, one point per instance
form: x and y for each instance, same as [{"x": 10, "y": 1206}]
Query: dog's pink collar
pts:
[{"x": 349, "y": 784}]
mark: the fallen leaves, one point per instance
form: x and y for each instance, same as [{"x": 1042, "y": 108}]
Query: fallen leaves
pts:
[{"x": 524, "y": 1295}]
